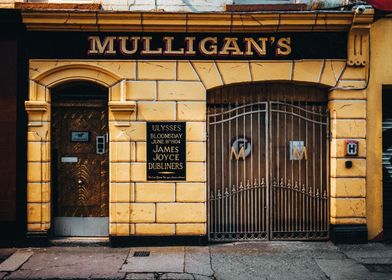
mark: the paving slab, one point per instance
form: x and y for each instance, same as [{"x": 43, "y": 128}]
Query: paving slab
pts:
[
  {"x": 73, "y": 263},
  {"x": 197, "y": 261},
  {"x": 202, "y": 277},
  {"x": 369, "y": 253},
  {"x": 5, "y": 253},
  {"x": 348, "y": 269},
  {"x": 161, "y": 259},
  {"x": 176, "y": 276},
  {"x": 15, "y": 261},
  {"x": 269, "y": 260},
  {"x": 140, "y": 276}
]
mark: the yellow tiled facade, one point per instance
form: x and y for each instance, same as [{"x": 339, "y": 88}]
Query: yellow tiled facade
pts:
[{"x": 170, "y": 90}]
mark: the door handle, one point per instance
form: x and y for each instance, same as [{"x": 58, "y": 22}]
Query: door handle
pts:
[{"x": 100, "y": 145}]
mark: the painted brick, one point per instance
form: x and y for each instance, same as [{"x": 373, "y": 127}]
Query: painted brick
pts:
[
  {"x": 122, "y": 192},
  {"x": 141, "y": 90},
  {"x": 120, "y": 172},
  {"x": 35, "y": 227},
  {"x": 191, "y": 192},
  {"x": 191, "y": 111},
  {"x": 155, "y": 229},
  {"x": 181, "y": 212},
  {"x": 195, "y": 171},
  {"x": 355, "y": 73},
  {"x": 196, "y": 151},
  {"x": 338, "y": 168},
  {"x": 271, "y": 71},
  {"x": 122, "y": 151},
  {"x": 135, "y": 132},
  {"x": 119, "y": 212},
  {"x": 196, "y": 131},
  {"x": 37, "y": 172},
  {"x": 234, "y": 72},
  {"x": 122, "y": 229},
  {"x": 352, "y": 84},
  {"x": 38, "y": 151},
  {"x": 181, "y": 91},
  {"x": 138, "y": 172},
  {"x": 191, "y": 229},
  {"x": 45, "y": 208},
  {"x": 142, "y": 212},
  {"x": 156, "y": 70},
  {"x": 38, "y": 192},
  {"x": 348, "y": 109},
  {"x": 141, "y": 152},
  {"x": 338, "y": 147},
  {"x": 156, "y": 111},
  {"x": 348, "y": 207},
  {"x": 347, "y": 221},
  {"x": 34, "y": 212},
  {"x": 208, "y": 73},
  {"x": 307, "y": 71},
  {"x": 155, "y": 192},
  {"x": 348, "y": 128},
  {"x": 348, "y": 187},
  {"x": 347, "y": 95},
  {"x": 185, "y": 72}
]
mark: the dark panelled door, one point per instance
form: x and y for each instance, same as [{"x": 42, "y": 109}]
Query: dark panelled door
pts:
[
  {"x": 268, "y": 163},
  {"x": 80, "y": 157}
]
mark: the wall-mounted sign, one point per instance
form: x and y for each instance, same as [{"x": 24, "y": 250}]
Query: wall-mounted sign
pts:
[
  {"x": 298, "y": 150},
  {"x": 166, "y": 150},
  {"x": 80, "y": 136},
  {"x": 199, "y": 46},
  {"x": 351, "y": 148},
  {"x": 240, "y": 149}
]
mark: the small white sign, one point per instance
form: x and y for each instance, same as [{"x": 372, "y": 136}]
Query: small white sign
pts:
[
  {"x": 351, "y": 148},
  {"x": 69, "y": 159}
]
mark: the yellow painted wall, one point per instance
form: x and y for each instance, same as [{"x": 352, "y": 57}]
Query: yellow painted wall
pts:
[
  {"x": 380, "y": 74},
  {"x": 176, "y": 91}
]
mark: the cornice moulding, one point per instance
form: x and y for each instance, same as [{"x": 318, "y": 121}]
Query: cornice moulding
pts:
[{"x": 191, "y": 22}]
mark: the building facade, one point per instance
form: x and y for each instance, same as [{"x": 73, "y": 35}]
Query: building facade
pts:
[{"x": 212, "y": 126}]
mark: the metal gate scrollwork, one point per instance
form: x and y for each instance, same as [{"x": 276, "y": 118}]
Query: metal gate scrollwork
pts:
[{"x": 268, "y": 167}]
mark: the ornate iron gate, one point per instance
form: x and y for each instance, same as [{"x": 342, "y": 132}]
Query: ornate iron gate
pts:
[{"x": 268, "y": 167}]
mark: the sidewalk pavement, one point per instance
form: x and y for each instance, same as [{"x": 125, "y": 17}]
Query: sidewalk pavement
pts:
[{"x": 248, "y": 260}]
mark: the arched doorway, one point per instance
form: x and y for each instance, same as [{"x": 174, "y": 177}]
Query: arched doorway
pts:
[
  {"x": 268, "y": 156},
  {"x": 80, "y": 159}
]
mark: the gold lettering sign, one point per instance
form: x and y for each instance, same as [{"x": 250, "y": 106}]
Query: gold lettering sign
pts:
[{"x": 232, "y": 46}]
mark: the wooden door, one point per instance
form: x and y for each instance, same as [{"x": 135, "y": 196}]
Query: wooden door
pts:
[{"x": 80, "y": 161}]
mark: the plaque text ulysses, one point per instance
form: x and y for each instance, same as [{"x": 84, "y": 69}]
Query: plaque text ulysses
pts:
[{"x": 166, "y": 151}]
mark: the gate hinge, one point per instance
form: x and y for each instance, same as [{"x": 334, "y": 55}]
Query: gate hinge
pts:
[{"x": 329, "y": 135}]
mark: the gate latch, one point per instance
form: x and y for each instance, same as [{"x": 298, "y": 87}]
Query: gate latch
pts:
[{"x": 100, "y": 142}]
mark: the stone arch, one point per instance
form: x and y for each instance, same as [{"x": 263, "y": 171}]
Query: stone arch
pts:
[
  {"x": 75, "y": 72},
  {"x": 322, "y": 73}
]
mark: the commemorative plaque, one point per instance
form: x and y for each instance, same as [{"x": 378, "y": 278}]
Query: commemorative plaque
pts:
[{"x": 166, "y": 150}]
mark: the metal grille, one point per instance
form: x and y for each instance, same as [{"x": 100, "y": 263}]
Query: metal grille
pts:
[
  {"x": 263, "y": 184},
  {"x": 141, "y": 254},
  {"x": 387, "y": 177}
]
